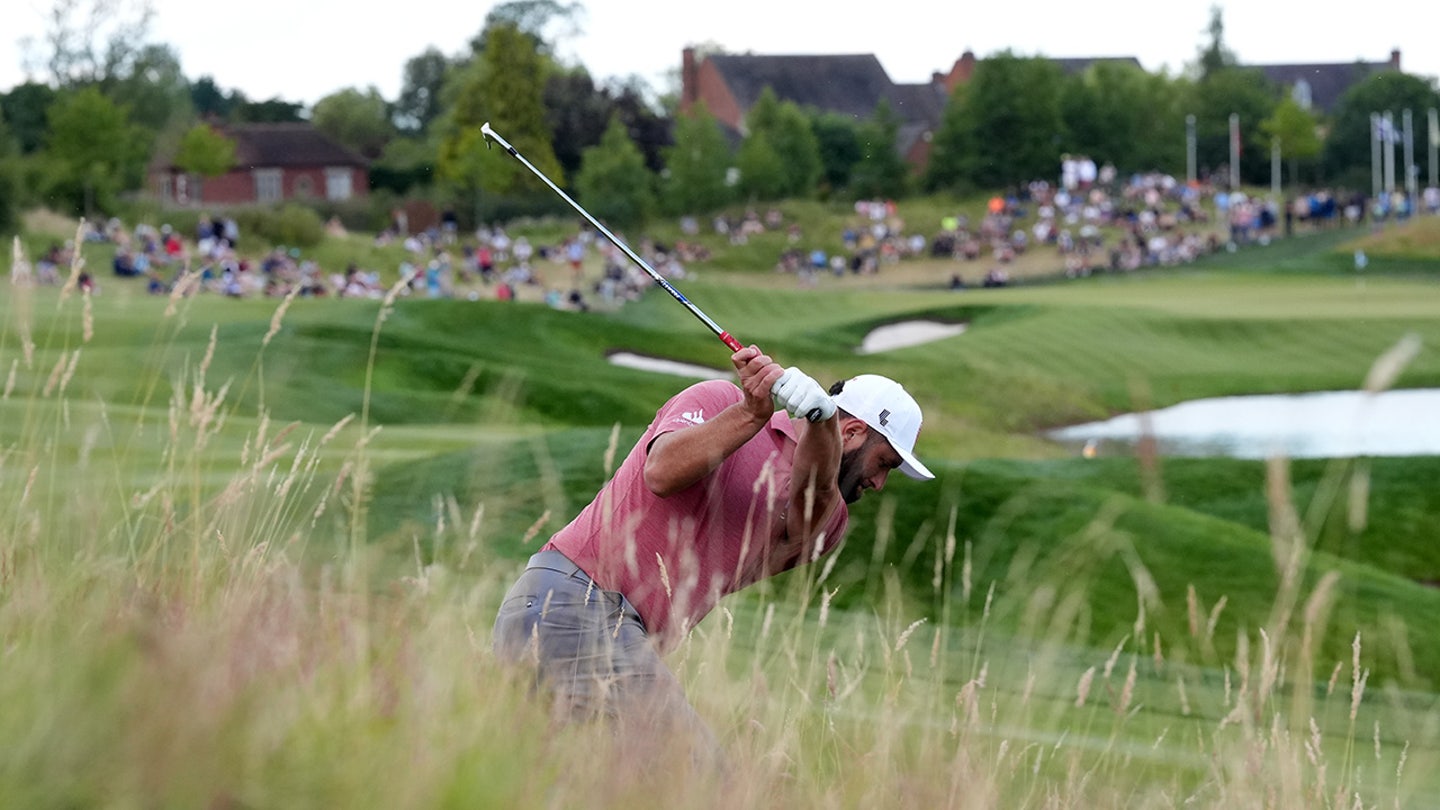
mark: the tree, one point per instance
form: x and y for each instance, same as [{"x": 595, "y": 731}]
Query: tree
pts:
[
  {"x": 696, "y": 165},
  {"x": 613, "y": 180},
  {"x": 210, "y": 101},
  {"x": 205, "y": 152},
  {"x": 1120, "y": 114},
  {"x": 153, "y": 87},
  {"x": 1215, "y": 56},
  {"x": 787, "y": 131},
  {"x": 420, "y": 94},
  {"x": 838, "y": 137},
  {"x": 577, "y": 113},
  {"x": 1346, "y": 157},
  {"x": 360, "y": 121},
  {"x": 9, "y": 182},
  {"x": 505, "y": 88},
  {"x": 1244, "y": 92},
  {"x": 92, "y": 152},
  {"x": 1296, "y": 131},
  {"x": 648, "y": 128},
  {"x": 762, "y": 170},
  {"x": 407, "y": 162},
  {"x": 881, "y": 171},
  {"x": 270, "y": 111},
  {"x": 1002, "y": 127},
  {"x": 530, "y": 18},
  {"x": 23, "y": 109},
  {"x": 95, "y": 41}
]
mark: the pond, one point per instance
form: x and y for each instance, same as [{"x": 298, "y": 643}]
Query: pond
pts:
[{"x": 1328, "y": 424}]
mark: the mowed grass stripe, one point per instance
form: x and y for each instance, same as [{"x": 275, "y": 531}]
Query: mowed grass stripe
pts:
[
  {"x": 1239, "y": 295},
  {"x": 1102, "y": 350}
]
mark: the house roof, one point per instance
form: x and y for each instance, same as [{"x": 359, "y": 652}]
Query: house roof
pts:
[
  {"x": 920, "y": 107},
  {"x": 1072, "y": 65},
  {"x": 1327, "y": 82},
  {"x": 851, "y": 84},
  {"x": 290, "y": 144}
]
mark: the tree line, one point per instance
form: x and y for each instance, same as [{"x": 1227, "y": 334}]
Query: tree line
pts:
[{"x": 80, "y": 141}]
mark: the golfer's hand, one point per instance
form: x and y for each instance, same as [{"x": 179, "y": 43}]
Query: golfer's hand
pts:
[
  {"x": 798, "y": 393},
  {"x": 758, "y": 375}
]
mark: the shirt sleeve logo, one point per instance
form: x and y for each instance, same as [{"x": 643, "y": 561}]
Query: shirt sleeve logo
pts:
[{"x": 696, "y": 417}]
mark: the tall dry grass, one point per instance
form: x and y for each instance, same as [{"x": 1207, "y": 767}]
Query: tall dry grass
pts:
[{"x": 190, "y": 616}]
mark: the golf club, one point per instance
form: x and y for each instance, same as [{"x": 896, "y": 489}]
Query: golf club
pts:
[{"x": 725, "y": 337}]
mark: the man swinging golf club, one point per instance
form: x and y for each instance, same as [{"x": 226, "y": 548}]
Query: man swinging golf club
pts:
[{"x": 722, "y": 490}]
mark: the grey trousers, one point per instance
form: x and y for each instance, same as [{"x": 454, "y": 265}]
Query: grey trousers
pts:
[{"x": 591, "y": 654}]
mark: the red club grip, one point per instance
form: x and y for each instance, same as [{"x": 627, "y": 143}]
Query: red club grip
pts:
[{"x": 730, "y": 341}]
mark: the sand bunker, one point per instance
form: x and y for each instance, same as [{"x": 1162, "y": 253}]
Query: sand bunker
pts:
[
  {"x": 660, "y": 365},
  {"x": 890, "y": 336},
  {"x": 907, "y": 333}
]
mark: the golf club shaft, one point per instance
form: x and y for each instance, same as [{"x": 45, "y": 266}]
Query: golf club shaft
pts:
[{"x": 724, "y": 336}]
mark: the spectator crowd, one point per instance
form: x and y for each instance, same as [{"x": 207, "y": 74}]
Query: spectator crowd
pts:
[{"x": 1090, "y": 220}]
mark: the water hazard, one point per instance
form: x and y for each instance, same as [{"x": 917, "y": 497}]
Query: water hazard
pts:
[{"x": 1330, "y": 424}]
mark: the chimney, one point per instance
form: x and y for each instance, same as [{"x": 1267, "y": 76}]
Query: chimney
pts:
[
  {"x": 1395, "y": 59},
  {"x": 961, "y": 71},
  {"x": 689, "y": 79}
]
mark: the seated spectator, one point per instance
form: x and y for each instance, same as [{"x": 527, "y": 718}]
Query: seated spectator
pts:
[{"x": 124, "y": 264}]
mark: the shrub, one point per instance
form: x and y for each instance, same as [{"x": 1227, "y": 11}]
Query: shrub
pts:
[{"x": 290, "y": 224}]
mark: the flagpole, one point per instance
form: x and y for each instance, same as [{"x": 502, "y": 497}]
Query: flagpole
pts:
[
  {"x": 1275, "y": 167},
  {"x": 1234, "y": 151},
  {"x": 1375, "y": 155},
  {"x": 1410, "y": 177},
  {"x": 1190, "y": 147},
  {"x": 1388, "y": 129},
  {"x": 1434, "y": 147}
]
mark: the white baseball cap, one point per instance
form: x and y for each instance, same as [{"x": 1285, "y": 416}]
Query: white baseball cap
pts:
[{"x": 889, "y": 410}]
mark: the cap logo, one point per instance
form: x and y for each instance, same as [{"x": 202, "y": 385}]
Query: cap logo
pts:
[{"x": 885, "y": 418}]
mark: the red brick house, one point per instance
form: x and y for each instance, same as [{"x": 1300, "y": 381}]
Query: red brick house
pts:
[
  {"x": 273, "y": 163},
  {"x": 853, "y": 84},
  {"x": 849, "y": 84}
]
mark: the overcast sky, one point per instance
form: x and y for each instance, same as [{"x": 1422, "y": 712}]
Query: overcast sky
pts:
[{"x": 303, "y": 50}]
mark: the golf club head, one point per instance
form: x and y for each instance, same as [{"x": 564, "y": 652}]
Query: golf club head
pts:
[{"x": 487, "y": 133}]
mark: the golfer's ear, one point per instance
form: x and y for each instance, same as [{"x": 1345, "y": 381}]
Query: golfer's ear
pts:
[{"x": 852, "y": 429}]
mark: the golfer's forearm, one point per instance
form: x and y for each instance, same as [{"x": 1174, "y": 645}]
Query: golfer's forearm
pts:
[
  {"x": 814, "y": 492},
  {"x": 680, "y": 458}
]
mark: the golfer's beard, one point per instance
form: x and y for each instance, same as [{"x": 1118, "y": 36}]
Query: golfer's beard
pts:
[{"x": 850, "y": 479}]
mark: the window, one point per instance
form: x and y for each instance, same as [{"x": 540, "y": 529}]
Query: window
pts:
[
  {"x": 337, "y": 184},
  {"x": 267, "y": 186}
]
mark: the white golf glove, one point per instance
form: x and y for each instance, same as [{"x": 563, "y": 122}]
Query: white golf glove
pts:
[{"x": 800, "y": 395}]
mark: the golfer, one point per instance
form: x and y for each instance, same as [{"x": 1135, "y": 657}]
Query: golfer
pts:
[{"x": 721, "y": 491}]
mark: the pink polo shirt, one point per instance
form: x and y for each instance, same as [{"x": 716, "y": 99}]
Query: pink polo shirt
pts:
[{"x": 675, "y": 557}]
